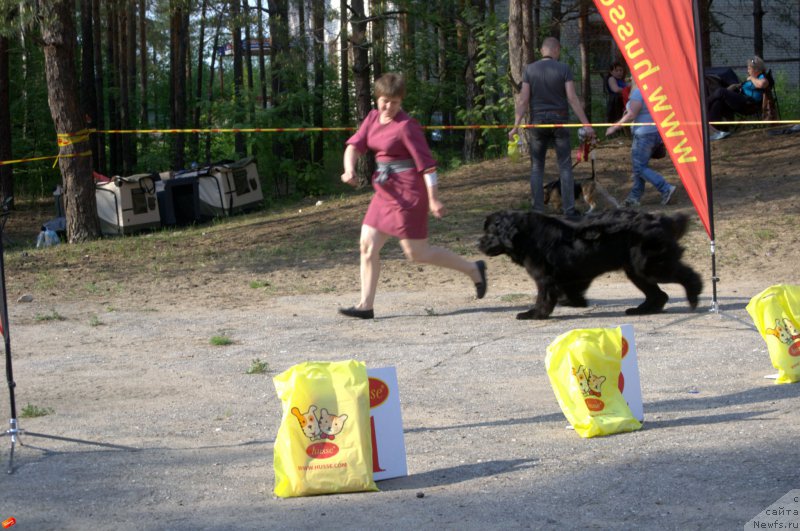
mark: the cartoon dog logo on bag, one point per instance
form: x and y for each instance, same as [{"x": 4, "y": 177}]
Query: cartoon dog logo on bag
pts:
[
  {"x": 590, "y": 385},
  {"x": 325, "y": 426},
  {"x": 786, "y": 333}
]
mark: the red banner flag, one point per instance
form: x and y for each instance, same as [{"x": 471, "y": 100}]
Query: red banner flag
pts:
[{"x": 657, "y": 40}]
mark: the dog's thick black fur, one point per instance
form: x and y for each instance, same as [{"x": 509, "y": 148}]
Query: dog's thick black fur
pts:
[{"x": 564, "y": 257}]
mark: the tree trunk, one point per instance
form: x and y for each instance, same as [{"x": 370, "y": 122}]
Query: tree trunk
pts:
[
  {"x": 58, "y": 37},
  {"x": 113, "y": 86},
  {"x": 279, "y": 46},
  {"x": 345, "y": 66},
  {"x": 319, "y": 77},
  {"x": 99, "y": 147},
  {"x": 262, "y": 67},
  {"x": 358, "y": 41},
  {"x": 557, "y": 21},
  {"x": 6, "y": 173},
  {"x": 407, "y": 34},
  {"x": 533, "y": 26},
  {"x": 301, "y": 146},
  {"x": 377, "y": 9},
  {"x": 249, "y": 56},
  {"x": 178, "y": 82},
  {"x": 24, "y": 62},
  {"x": 516, "y": 44},
  {"x": 144, "y": 118},
  {"x": 758, "y": 28},
  {"x": 131, "y": 66},
  {"x": 238, "y": 77},
  {"x": 210, "y": 90},
  {"x": 199, "y": 86},
  {"x": 583, "y": 34},
  {"x": 124, "y": 99},
  {"x": 473, "y": 89},
  {"x": 88, "y": 95}
]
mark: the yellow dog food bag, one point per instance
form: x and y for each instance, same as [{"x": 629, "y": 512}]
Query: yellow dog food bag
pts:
[
  {"x": 584, "y": 369},
  {"x": 776, "y": 314},
  {"x": 324, "y": 442}
]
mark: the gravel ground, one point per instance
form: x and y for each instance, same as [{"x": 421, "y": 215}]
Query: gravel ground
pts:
[{"x": 153, "y": 428}]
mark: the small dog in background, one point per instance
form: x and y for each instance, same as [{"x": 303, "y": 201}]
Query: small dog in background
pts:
[{"x": 586, "y": 189}]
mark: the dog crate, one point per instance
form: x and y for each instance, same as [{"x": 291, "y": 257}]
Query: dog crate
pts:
[
  {"x": 228, "y": 188},
  {"x": 178, "y": 200},
  {"x": 127, "y": 204}
]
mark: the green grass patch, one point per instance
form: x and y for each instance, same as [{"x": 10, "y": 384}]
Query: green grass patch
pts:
[
  {"x": 221, "y": 340},
  {"x": 258, "y": 367},
  {"x": 766, "y": 234},
  {"x": 95, "y": 321},
  {"x": 52, "y": 316},
  {"x": 30, "y": 411}
]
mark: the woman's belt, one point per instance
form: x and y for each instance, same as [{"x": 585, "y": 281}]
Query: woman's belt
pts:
[{"x": 385, "y": 169}]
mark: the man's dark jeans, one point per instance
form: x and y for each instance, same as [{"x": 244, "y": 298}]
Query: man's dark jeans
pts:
[{"x": 540, "y": 140}]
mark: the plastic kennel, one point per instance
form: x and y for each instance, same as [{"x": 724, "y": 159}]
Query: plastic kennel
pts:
[
  {"x": 230, "y": 188},
  {"x": 178, "y": 200},
  {"x": 127, "y": 204}
]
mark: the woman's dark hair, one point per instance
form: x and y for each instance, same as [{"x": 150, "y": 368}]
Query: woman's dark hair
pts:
[{"x": 390, "y": 85}]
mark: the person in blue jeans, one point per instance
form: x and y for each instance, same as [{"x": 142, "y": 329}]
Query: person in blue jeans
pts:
[
  {"x": 646, "y": 138},
  {"x": 547, "y": 94}
]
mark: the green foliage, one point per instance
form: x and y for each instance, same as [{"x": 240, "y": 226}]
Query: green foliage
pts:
[
  {"x": 788, "y": 96},
  {"x": 31, "y": 411},
  {"x": 52, "y": 316},
  {"x": 492, "y": 104},
  {"x": 258, "y": 367},
  {"x": 221, "y": 340}
]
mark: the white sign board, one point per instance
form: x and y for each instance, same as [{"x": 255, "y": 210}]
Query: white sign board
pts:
[
  {"x": 388, "y": 443},
  {"x": 629, "y": 382}
]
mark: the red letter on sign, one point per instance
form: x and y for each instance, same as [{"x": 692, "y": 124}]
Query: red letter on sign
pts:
[{"x": 376, "y": 466}]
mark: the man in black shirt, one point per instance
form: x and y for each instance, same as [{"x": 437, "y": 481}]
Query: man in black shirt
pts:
[{"x": 548, "y": 92}]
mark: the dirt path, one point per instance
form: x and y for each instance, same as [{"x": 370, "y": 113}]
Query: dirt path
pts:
[{"x": 171, "y": 433}]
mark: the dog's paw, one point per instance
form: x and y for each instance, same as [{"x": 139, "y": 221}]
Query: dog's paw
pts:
[
  {"x": 647, "y": 308},
  {"x": 653, "y": 304},
  {"x": 531, "y": 314},
  {"x": 643, "y": 310}
]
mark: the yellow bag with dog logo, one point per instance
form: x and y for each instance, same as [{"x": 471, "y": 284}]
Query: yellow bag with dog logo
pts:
[
  {"x": 776, "y": 314},
  {"x": 324, "y": 443},
  {"x": 584, "y": 369}
]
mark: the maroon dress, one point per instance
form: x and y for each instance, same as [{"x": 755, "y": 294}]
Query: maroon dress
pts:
[{"x": 400, "y": 204}]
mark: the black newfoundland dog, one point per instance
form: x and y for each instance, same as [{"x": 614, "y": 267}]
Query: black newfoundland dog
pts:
[{"x": 563, "y": 257}]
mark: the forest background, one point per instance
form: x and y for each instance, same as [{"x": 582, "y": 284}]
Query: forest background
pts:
[{"x": 126, "y": 65}]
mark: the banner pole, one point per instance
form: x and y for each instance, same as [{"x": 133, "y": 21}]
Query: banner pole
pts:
[{"x": 706, "y": 153}]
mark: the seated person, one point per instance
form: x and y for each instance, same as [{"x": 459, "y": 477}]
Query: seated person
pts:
[
  {"x": 724, "y": 102},
  {"x": 615, "y": 87}
]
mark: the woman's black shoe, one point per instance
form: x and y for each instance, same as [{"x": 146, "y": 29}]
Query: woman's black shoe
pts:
[
  {"x": 480, "y": 287},
  {"x": 358, "y": 314}
]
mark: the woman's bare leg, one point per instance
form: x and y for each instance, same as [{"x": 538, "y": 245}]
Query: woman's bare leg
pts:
[
  {"x": 372, "y": 241},
  {"x": 421, "y": 251}
]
